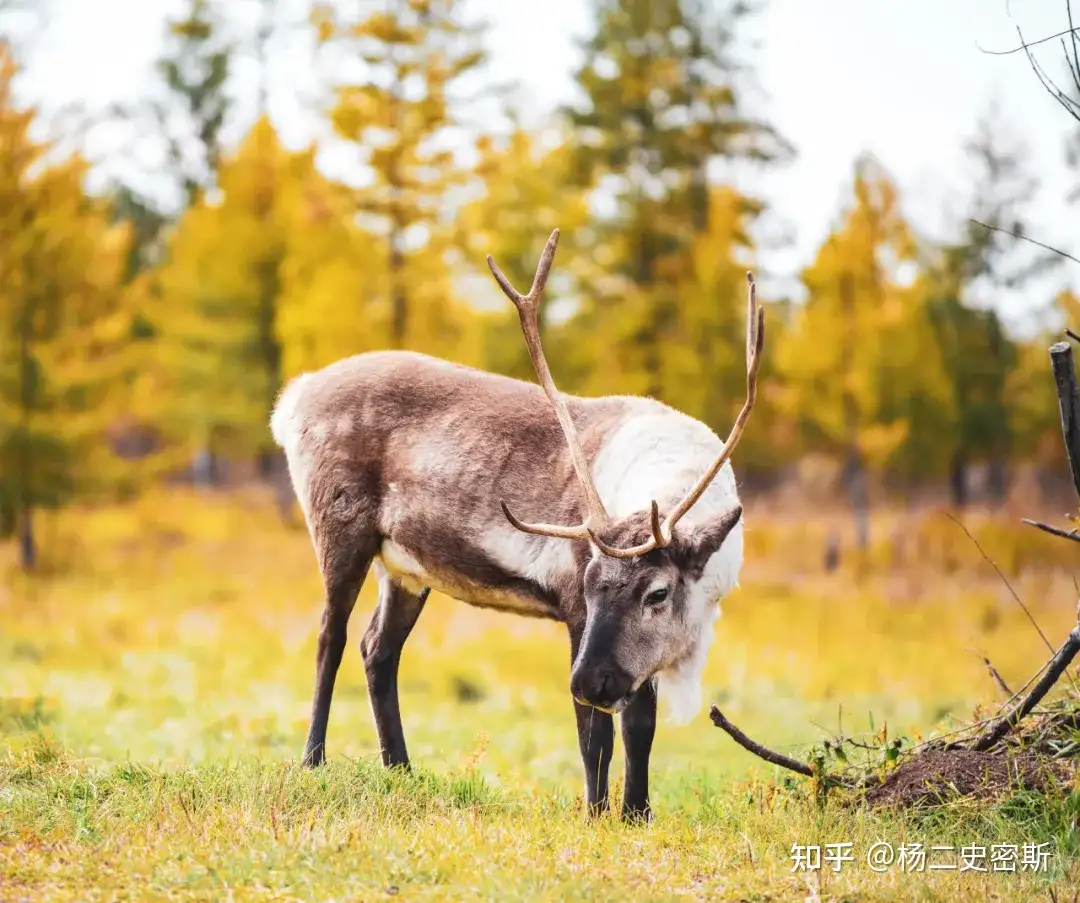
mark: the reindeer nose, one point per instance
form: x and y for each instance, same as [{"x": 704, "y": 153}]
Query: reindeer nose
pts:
[{"x": 601, "y": 686}]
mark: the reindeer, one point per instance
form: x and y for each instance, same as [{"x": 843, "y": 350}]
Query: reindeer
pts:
[{"x": 404, "y": 460}]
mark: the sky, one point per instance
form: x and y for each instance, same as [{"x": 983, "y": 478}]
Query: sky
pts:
[{"x": 906, "y": 80}]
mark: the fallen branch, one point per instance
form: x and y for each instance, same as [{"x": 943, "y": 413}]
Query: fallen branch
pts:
[
  {"x": 1056, "y": 531},
  {"x": 1061, "y": 660},
  {"x": 762, "y": 752}
]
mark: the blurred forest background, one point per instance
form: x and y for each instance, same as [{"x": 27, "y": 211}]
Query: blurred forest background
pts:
[{"x": 143, "y": 341}]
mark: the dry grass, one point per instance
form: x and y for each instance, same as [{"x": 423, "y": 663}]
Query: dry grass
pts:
[{"x": 155, "y": 687}]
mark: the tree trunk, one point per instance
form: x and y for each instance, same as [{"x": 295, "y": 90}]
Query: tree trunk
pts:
[
  {"x": 9, "y": 520},
  {"x": 996, "y": 481},
  {"x": 267, "y": 463},
  {"x": 854, "y": 471},
  {"x": 859, "y": 495},
  {"x": 400, "y": 306},
  {"x": 399, "y": 316},
  {"x": 28, "y": 391},
  {"x": 649, "y": 338},
  {"x": 958, "y": 490},
  {"x": 204, "y": 469},
  {"x": 27, "y": 546},
  {"x": 832, "y": 553}
]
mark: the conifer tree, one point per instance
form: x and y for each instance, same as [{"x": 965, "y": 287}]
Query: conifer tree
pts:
[
  {"x": 979, "y": 356},
  {"x": 64, "y": 328},
  {"x": 185, "y": 114},
  {"x": 418, "y": 53},
  {"x": 220, "y": 342},
  {"x": 195, "y": 71},
  {"x": 861, "y": 373},
  {"x": 511, "y": 221},
  {"x": 658, "y": 109},
  {"x": 333, "y": 287},
  {"x": 704, "y": 359}
]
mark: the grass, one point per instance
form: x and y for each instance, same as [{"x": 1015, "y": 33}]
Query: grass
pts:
[{"x": 154, "y": 693}]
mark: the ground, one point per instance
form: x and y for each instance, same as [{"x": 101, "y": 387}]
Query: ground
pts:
[{"x": 154, "y": 694}]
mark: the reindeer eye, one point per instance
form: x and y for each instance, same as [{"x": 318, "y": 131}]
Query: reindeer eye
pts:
[{"x": 656, "y": 597}]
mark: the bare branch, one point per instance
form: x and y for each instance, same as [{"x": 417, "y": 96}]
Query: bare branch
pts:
[
  {"x": 1023, "y": 237},
  {"x": 1020, "y": 48},
  {"x": 1046, "y": 528},
  {"x": 1004, "y": 580},
  {"x": 762, "y": 752},
  {"x": 1066, "y": 102},
  {"x": 997, "y": 678},
  {"x": 1058, "y": 664},
  {"x": 1074, "y": 64}
]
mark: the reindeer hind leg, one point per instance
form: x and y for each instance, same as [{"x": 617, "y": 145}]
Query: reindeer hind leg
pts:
[
  {"x": 381, "y": 648},
  {"x": 345, "y": 564}
]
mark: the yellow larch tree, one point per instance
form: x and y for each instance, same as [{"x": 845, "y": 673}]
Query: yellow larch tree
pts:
[
  {"x": 333, "y": 285},
  {"x": 658, "y": 106},
  {"x": 525, "y": 196},
  {"x": 65, "y": 327},
  {"x": 703, "y": 365},
  {"x": 398, "y": 116},
  {"x": 221, "y": 294},
  {"x": 862, "y": 375}
]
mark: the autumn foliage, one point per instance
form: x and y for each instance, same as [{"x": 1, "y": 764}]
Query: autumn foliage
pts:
[{"x": 144, "y": 345}]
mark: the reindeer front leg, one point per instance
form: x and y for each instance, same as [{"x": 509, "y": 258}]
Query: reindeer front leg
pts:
[
  {"x": 638, "y": 727},
  {"x": 596, "y": 740}
]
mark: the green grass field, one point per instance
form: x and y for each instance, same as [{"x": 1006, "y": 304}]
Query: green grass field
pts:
[{"x": 154, "y": 693}]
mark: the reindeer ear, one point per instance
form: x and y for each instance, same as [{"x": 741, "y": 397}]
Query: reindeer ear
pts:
[{"x": 697, "y": 548}]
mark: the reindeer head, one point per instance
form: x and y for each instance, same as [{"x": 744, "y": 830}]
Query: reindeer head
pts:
[{"x": 645, "y": 608}]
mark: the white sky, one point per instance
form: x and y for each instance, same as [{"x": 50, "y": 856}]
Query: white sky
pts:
[{"x": 904, "y": 79}]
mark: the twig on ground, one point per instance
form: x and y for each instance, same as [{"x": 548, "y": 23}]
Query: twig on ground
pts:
[
  {"x": 1056, "y": 531},
  {"x": 762, "y": 752},
  {"x": 1056, "y": 668},
  {"x": 1066, "y": 752},
  {"x": 939, "y": 740},
  {"x": 1056, "y": 724},
  {"x": 859, "y": 745}
]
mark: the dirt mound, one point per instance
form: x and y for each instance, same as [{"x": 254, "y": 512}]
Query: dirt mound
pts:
[{"x": 936, "y": 776}]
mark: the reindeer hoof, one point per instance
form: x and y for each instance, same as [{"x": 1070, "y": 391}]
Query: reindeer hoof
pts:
[
  {"x": 633, "y": 815},
  {"x": 313, "y": 758}
]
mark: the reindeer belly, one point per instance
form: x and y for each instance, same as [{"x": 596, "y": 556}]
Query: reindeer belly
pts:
[{"x": 406, "y": 569}]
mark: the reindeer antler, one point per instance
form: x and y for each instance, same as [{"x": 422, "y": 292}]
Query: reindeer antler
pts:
[
  {"x": 662, "y": 533},
  {"x": 527, "y": 306}
]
